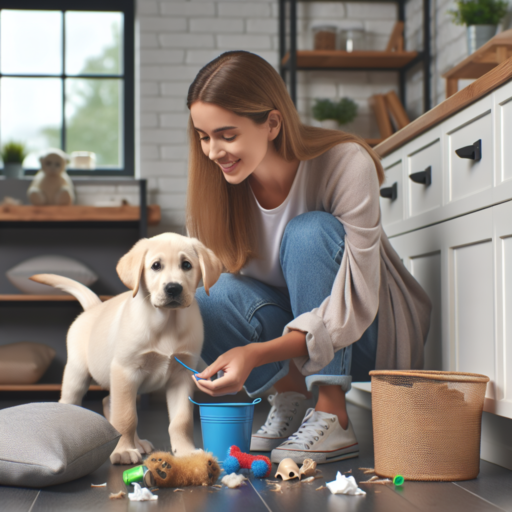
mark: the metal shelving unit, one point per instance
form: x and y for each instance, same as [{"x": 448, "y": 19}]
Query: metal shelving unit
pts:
[{"x": 293, "y": 60}]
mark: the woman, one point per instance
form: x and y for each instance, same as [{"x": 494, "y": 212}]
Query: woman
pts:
[{"x": 293, "y": 213}]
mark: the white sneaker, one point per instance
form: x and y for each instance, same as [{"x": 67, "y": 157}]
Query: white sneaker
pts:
[
  {"x": 284, "y": 418},
  {"x": 321, "y": 438}
]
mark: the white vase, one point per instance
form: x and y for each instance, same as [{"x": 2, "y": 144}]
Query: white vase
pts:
[
  {"x": 13, "y": 170},
  {"x": 478, "y": 35}
]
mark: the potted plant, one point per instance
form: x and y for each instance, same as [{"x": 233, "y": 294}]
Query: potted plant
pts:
[
  {"x": 481, "y": 18},
  {"x": 332, "y": 114},
  {"x": 13, "y": 154}
]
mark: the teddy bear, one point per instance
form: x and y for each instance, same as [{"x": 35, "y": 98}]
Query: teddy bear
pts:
[
  {"x": 52, "y": 184},
  {"x": 165, "y": 470}
]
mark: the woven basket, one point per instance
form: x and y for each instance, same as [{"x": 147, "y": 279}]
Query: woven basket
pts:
[{"x": 426, "y": 424}]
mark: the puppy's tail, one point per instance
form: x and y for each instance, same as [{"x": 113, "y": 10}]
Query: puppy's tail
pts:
[{"x": 86, "y": 297}]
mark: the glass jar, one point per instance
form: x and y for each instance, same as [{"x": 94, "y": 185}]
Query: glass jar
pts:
[
  {"x": 324, "y": 37},
  {"x": 353, "y": 39}
]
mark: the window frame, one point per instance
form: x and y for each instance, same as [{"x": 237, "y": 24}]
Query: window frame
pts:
[{"x": 127, "y": 132}]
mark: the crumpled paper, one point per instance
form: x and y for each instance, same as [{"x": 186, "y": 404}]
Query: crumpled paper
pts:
[
  {"x": 344, "y": 485},
  {"x": 141, "y": 494},
  {"x": 233, "y": 480}
]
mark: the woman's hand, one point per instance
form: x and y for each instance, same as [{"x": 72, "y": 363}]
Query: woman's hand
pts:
[{"x": 236, "y": 364}]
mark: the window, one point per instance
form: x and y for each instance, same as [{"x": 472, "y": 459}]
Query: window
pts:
[{"x": 67, "y": 80}]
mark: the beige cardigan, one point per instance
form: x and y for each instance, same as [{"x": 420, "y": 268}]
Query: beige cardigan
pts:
[{"x": 343, "y": 181}]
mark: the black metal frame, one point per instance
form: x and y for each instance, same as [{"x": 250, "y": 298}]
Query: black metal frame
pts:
[
  {"x": 127, "y": 7},
  {"x": 291, "y": 65}
]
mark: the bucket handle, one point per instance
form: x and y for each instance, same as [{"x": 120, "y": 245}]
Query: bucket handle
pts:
[{"x": 254, "y": 402}]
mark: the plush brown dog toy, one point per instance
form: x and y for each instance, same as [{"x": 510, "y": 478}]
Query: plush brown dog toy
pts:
[{"x": 165, "y": 470}]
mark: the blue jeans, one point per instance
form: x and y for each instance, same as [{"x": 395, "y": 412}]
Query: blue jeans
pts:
[{"x": 242, "y": 310}]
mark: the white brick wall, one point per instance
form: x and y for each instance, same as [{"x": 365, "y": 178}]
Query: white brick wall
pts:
[{"x": 175, "y": 39}]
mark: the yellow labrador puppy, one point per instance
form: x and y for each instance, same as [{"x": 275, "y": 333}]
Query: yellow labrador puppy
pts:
[{"x": 127, "y": 343}]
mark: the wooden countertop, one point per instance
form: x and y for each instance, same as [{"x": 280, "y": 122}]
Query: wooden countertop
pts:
[{"x": 481, "y": 87}]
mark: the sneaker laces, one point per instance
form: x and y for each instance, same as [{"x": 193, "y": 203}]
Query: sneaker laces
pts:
[
  {"x": 314, "y": 426},
  {"x": 282, "y": 412}
]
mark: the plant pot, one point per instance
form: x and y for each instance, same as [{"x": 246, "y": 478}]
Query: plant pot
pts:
[
  {"x": 477, "y": 35},
  {"x": 13, "y": 170},
  {"x": 330, "y": 124}
]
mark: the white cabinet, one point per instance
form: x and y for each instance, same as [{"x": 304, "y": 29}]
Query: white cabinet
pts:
[
  {"x": 455, "y": 237},
  {"x": 465, "y": 266}
]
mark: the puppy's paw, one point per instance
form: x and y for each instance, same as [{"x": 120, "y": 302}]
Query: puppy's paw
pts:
[
  {"x": 126, "y": 456},
  {"x": 144, "y": 446}
]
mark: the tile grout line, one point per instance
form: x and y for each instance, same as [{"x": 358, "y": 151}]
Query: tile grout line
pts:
[
  {"x": 480, "y": 497},
  {"x": 261, "y": 498},
  {"x": 34, "y": 502}
]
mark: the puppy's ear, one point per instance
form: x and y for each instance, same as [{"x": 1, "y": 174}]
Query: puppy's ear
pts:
[
  {"x": 131, "y": 265},
  {"x": 211, "y": 266}
]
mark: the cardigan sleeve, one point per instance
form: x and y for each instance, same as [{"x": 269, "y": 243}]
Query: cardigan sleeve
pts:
[{"x": 350, "y": 192}]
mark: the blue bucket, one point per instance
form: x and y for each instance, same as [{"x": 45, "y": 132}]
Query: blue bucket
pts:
[{"x": 225, "y": 425}]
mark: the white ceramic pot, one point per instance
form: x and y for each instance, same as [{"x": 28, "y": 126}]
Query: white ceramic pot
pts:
[
  {"x": 478, "y": 35},
  {"x": 13, "y": 170}
]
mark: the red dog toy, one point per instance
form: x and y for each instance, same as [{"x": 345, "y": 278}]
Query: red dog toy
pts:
[{"x": 259, "y": 464}]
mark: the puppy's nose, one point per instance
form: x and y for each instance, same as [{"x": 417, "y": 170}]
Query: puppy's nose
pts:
[{"x": 173, "y": 289}]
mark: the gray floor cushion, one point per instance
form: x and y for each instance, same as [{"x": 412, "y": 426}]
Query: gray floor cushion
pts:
[{"x": 45, "y": 444}]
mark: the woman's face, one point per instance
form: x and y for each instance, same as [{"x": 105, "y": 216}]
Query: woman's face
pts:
[{"x": 235, "y": 143}]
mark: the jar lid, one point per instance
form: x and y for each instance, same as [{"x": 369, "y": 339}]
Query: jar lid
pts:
[{"x": 329, "y": 28}]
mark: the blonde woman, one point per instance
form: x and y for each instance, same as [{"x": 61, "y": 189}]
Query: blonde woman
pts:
[{"x": 314, "y": 295}]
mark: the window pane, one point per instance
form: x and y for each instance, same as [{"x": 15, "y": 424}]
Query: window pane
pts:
[
  {"x": 31, "y": 112},
  {"x": 31, "y": 42},
  {"x": 93, "y": 118},
  {"x": 94, "y": 42}
]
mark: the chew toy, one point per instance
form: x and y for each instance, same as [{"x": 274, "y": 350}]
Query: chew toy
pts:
[{"x": 259, "y": 464}]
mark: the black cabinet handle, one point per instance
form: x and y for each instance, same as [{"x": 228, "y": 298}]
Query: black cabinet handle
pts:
[
  {"x": 424, "y": 177},
  {"x": 473, "y": 152},
  {"x": 389, "y": 192}
]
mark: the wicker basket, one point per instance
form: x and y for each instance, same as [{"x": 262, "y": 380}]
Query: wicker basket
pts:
[{"x": 426, "y": 424}]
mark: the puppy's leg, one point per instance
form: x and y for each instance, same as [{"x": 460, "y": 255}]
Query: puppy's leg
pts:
[
  {"x": 75, "y": 383},
  {"x": 181, "y": 427},
  {"x": 123, "y": 414}
]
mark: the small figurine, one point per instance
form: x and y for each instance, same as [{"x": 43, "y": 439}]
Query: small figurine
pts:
[
  {"x": 52, "y": 184},
  {"x": 259, "y": 464}
]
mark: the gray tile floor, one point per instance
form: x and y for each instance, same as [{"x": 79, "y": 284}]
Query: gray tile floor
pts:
[{"x": 491, "y": 491}]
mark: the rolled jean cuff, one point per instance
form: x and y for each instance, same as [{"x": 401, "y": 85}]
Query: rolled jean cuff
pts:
[
  {"x": 345, "y": 381},
  {"x": 278, "y": 376}
]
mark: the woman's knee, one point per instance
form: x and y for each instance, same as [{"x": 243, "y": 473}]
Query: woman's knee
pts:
[{"x": 309, "y": 232}]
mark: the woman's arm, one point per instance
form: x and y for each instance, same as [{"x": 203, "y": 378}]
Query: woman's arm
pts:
[{"x": 238, "y": 362}]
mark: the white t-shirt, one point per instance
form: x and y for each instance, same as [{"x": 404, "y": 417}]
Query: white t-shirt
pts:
[{"x": 270, "y": 226}]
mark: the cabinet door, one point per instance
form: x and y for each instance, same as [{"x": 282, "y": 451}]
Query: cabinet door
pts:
[
  {"x": 502, "y": 220},
  {"x": 454, "y": 262},
  {"x": 421, "y": 252}
]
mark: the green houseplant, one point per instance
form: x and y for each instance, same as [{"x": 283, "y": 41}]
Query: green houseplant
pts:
[
  {"x": 331, "y": 114},
  {"x": 13, "y": 154},
  {"x": 481, "y": 18}
]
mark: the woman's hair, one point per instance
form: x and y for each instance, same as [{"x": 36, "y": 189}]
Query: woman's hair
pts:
[{"x": 219, "y": 213}]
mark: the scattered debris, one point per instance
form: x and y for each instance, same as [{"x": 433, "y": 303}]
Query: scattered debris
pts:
[
  {"x": 347, "y": 472},
  {"x": 233, "y": 480},
  {"x": 277, "y": 489},
  {"x": 179, "y": 490},
  {"x": 116, "y": 495},
  {"x": 366, "y": 469},
  {"x": 99, "y": 485},
  {"x": 308, "y": 468},
  {"x": 371, "y": 479},
  {"x": 377, "y": 481},
  {"x": 345, "y": 485},
  {"x": 217, "y": 486},
  {"x": 311, "y": 479},
  {"x": 141, "y": 494},
  {"x": 320, "y": 488},
  {"x": 204, "y": 484},
  {"x": 272, "y": 481}
]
